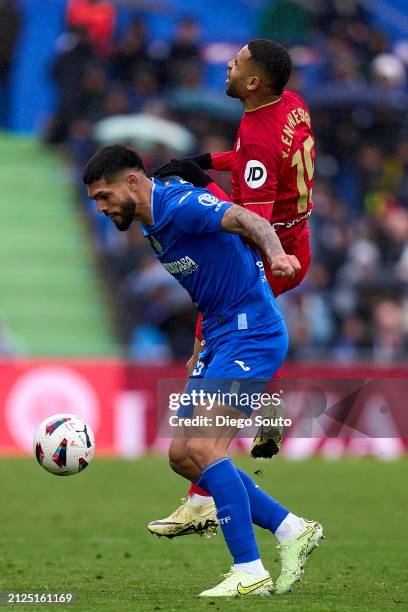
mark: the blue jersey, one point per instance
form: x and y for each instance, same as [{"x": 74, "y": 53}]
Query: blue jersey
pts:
[{"x": 223, "y": 275}]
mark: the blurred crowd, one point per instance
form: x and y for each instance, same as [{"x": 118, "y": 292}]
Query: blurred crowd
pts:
[
  {"x": 354, "y": 303},
  {"x": 10, "y": 29}
]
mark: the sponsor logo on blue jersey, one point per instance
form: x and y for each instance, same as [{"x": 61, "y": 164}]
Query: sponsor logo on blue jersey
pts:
[{"x": 223, "y": 275}]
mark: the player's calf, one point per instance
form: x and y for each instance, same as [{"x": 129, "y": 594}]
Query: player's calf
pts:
[
  {"x": 194, "y": 516},
  {"x": 179, "y": 460}
]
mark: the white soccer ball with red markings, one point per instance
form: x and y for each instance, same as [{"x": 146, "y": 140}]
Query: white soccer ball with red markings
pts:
[{"x": 64, "y": 444}]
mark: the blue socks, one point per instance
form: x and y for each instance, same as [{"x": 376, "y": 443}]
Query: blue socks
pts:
[
  {"x": 266, "y": 512},
  {"x": 222, "y": 480}
]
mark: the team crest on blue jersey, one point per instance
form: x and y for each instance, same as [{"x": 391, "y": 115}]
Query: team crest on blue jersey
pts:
[{"x": 207, "y": 199}]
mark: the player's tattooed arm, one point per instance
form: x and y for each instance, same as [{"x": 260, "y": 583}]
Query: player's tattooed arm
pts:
[{"x": 249, "y": 226}]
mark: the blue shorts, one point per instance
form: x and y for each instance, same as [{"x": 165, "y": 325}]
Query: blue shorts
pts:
[{"x": 242, "y": 361}]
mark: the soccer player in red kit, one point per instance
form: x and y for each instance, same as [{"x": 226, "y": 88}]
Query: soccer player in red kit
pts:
[
  {"x": 272, "y": 162},
  {"x": 272, "y": 167}
]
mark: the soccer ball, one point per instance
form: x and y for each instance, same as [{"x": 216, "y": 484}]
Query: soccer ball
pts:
[{"x": 64, "y": 444}]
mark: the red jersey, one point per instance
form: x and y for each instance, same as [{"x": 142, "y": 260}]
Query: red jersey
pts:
[
  {"x": 272, "y": 168},
  {"x": 272, "y": 163}
]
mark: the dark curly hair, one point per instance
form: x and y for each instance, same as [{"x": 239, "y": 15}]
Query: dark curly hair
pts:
[
  {"x": 109, "y": 161},
  {"x": 274, "y": 60}
]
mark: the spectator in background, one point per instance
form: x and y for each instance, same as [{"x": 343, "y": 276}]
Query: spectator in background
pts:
[
  {"x": 131, "y": 53},
  {"x": 73, "y": 55},
  {"x": 98, "y": 17},
  {"x": 186, "y": 45},
  {"x": 389, "y": 332},
  {"x": 393, "y": 239},
  {"x": 135, "y": 52},
  {"x": 184, "y": 50},
  {"x": 340, "y": 16},
  {"x": 351, "y": 342},
  {"x": 10, "y": 26},
  {"x": 286, "y": 21},
  {"x": 93, "y": 89},
  {"x": 144, "y": 89}
]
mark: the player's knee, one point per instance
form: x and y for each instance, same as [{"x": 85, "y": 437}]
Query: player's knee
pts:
[
  {"x": 177, "y": 455},
  {"x": 182, "y": 466},
  {"x": 178, "y": 464}
]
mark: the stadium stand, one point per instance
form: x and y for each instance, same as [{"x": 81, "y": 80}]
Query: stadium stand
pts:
[
  {"x": 50, "y": 295},
  {"x": 350, "y": 65}
]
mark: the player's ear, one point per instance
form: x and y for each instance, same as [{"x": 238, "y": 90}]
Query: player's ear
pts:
[
  {"x": 133, "y": 180},
  {"x": 253, "y": 83}
]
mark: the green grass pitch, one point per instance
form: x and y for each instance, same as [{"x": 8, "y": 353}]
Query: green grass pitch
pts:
[{"x": 87, "y": 534}]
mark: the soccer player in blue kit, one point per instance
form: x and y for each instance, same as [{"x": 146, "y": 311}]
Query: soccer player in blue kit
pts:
[{"x": 197, "y": 238}]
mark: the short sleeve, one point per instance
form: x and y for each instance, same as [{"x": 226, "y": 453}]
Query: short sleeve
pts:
[{"x": 199, "y": 212}]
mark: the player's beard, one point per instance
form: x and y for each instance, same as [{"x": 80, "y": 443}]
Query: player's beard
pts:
[
  {"x": 231, "y": 90},
  {"x": 126, "y": 216}
]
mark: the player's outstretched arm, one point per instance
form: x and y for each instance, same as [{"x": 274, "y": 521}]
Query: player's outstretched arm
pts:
[{"x": 248, "y": 225}]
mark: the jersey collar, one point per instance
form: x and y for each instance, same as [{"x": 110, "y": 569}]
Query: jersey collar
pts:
[
  {"x": 147, "y": 228},
  {"x": 252, "y": 110}
]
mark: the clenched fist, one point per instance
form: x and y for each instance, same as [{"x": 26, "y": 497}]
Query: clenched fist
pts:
[{"x": 285, "y": 265}]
